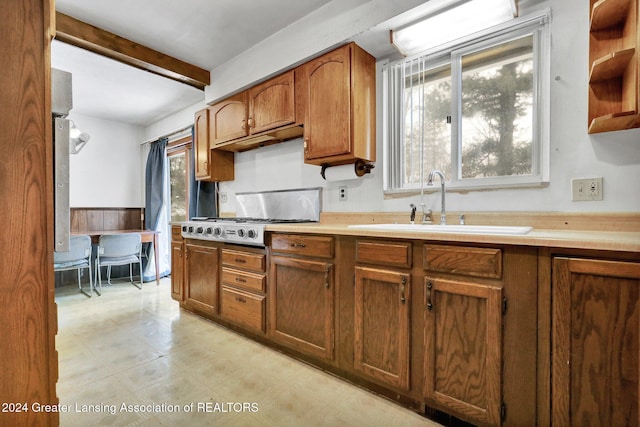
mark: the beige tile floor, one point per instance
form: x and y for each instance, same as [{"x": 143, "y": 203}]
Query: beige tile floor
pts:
[{"x": 131, "y": 347}]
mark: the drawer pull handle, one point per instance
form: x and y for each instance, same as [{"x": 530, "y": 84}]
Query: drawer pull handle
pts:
[
  {"x": 240, "y": 299},
  {"x": 298, "y": 245},
  {"x": 403, "y": 299},
  {"x": 240, "y": 280},
  {"x": 240, "y": 260},
  {"x": 429, "y": 304},
  {"x": 327, "y": 269}
]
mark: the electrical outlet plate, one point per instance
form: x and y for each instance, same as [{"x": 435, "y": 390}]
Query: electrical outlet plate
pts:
[
  {"x": 586, "y": 189},
  {"x": 342, "y": 193},
  {"x": 223, "y": 197}
]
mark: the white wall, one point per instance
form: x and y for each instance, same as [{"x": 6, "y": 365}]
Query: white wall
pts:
[
  {"x": 106, "y": 173},
  {"x": 319, "y": 31},
  {"x": 573, "y": 153},
  {"x": 179, "y": 120}
]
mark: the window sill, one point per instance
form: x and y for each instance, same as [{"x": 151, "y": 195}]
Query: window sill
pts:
[{"x": 460, "y": 187}]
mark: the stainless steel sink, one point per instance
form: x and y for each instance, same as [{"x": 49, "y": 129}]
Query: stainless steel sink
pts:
[{"x": 436, "y": 228}]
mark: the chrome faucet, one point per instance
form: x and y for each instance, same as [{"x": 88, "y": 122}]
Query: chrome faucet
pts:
[{"x": 443, "y": 212}]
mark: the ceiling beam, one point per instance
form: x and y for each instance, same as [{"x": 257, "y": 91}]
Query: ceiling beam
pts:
[{"x": 97, "y": 40}]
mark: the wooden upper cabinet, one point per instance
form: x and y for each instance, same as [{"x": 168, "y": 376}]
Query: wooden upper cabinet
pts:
[
  {"x": 210, "y": 165},
  {"x": 267, "y": 113},
  {"x": 229, "y": 119},
  {"x": 272, "y": 104},
  {"x": 201, "y": 144},
  {"x": 340, "y": 115},
  {"x": 613, "y": 57},
  {"x": 327, "y": 127}
]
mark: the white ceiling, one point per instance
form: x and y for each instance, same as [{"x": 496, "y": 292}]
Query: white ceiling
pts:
[{"x": 204, "y": 33}]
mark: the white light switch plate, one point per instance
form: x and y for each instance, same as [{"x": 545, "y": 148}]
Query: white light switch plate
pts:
[{"x": 586, "y": 189}]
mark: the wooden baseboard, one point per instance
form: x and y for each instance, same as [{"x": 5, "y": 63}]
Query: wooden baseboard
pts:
[{"x": 106, "y": 219}]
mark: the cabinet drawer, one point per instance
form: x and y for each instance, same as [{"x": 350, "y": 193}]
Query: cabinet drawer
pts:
[
  {"x": 244, "y": 260},
  {"x": 176, "y": 233},
  {"x": 396, "y": 254},
  {"x": 479, "y": 262},
  {"x": 243, "y": 308},
  {"x": 318, "y": 246},
  {"x": 252, "y": 281}
]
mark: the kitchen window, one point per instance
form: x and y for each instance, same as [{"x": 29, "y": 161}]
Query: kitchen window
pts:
[
  {"x": 178, "y": 154},
  {"x": 477, "y": 109}
]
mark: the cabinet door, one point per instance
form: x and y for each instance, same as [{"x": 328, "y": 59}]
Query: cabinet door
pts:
[
  {"x": 381, "y": 326},
  {"x": 201, "y": 150},
  {"x": 177, "y": 270},
  {"x": 596, "y": 323},
  {"x": 228, "y": 119},
  {"x": 301, "y": 305},
  {"x": 201, "y": 278},
  {"x": 272, "y": 104},
  {"x": 327, "y": 128},
  {"x": 463, "y": 349}
]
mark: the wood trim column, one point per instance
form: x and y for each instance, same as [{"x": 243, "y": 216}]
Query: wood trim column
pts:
[{"x": 28, "y": 315}]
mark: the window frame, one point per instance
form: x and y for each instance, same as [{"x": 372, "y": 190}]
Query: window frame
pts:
[
  {"x": 178, "y": 147},
  {"x": 537, "y": 25}
]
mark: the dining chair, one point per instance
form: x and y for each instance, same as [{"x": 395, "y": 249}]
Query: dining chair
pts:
[
  {"x": 77, "y": 258},
  {"x": 119, "y": 249}
]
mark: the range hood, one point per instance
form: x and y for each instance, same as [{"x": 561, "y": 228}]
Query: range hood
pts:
[{"x": 260, "y": 140}]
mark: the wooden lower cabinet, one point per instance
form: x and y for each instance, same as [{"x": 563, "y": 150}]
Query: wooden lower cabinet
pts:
[
  {"x": 177, "y": 270},
  {"x": 463, "y": 348},
  {"x": 595, "y": 352},
  {"x": 301, "y": 301},
  {"x": 201, "y": 277},
  {"x": 427, "y": 324},
  {"x": 243, "y": 308},
  {"x": 243, "y": 286},
  {"x": 382, "y": 325},
  {"x": 177, "y": 263}
]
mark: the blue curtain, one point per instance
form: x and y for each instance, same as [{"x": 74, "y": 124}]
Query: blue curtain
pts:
[
  {"x": 154, "y": 183},
  {"x": 155, "y": 207},
  {"x": 202, "y": 194}
]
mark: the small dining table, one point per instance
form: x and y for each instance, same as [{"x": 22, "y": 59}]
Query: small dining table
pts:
[{"x": 147, "y": 236}]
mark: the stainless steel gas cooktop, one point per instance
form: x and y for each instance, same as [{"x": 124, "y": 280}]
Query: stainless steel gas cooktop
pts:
[{"x": 261, "y": 209}]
